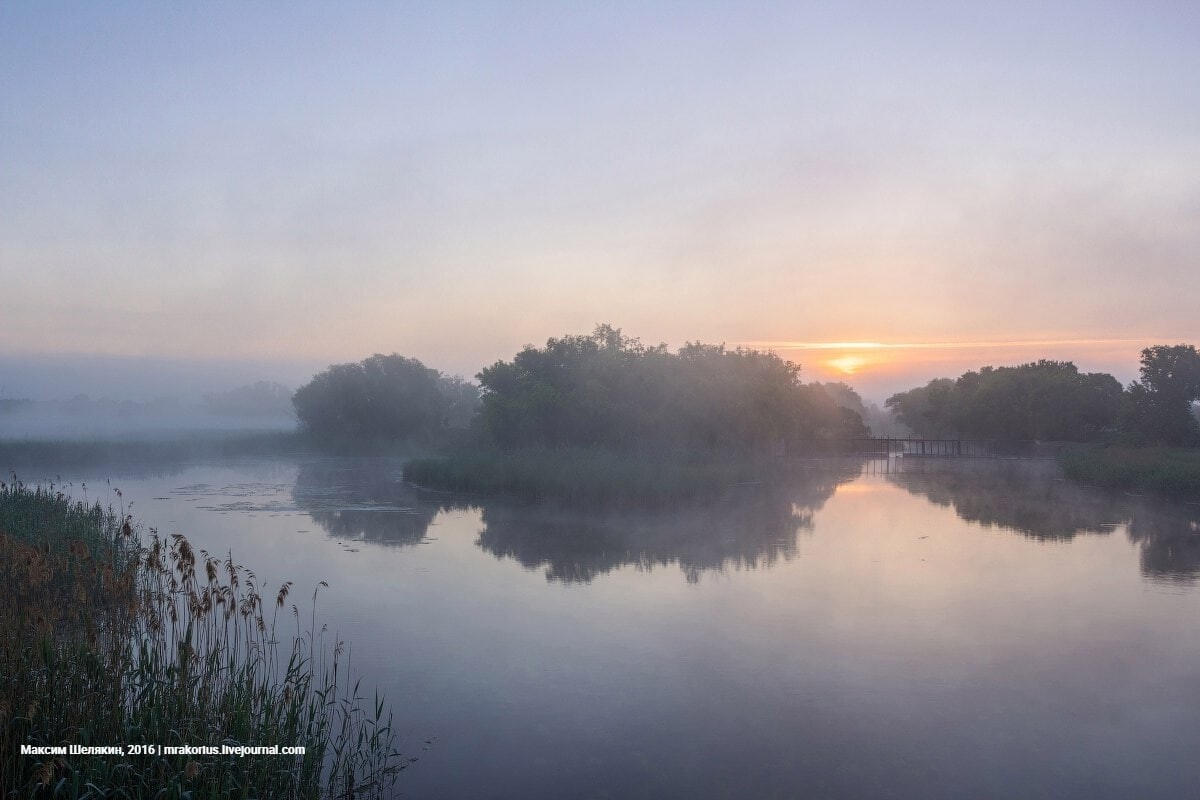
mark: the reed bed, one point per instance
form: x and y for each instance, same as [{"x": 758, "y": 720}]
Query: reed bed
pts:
[
  {"x": 1172, "y": 472},
  {"x": 586, "y": 477},
  {"x": 109, "y": 641}
]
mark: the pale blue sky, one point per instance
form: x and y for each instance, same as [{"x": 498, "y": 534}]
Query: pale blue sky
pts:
[{"x": 318, "y": 182}]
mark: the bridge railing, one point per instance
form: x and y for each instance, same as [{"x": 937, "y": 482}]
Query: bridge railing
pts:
[{"x": 958, "y": 448}]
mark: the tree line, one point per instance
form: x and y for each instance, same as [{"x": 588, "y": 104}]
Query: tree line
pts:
[
  {"x": 1054, "y": 401},
  {"x": 609, "y": 390},
  {"x": 604, "y": 389}
]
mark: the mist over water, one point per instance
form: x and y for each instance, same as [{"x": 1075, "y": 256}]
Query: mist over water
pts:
[
  {"x": 165, "y": 420},
  {"x": 905, "y": 628},
  {"x": 149, "y": 399},
  {"x": 61, "y": 376}
]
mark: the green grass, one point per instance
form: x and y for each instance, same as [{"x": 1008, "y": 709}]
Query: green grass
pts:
[
  {"x": 583, "y": 476},
  {"x": 106, "y": 641},
  {"x": 1167, "y": 471}
]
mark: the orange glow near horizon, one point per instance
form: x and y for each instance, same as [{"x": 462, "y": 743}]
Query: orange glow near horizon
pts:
[
  {"x": 877, "y": 368},
  {"x": 949, "y": 345},
  {"x": 848, "y": 364}
]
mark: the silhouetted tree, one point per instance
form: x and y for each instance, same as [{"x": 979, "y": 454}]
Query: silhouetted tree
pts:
[
  {"x": 843, "y": 395},
  {"x": 1161, "y": 403},
  {"x": 610, "y": 390},
  {"x": 878, "y": 421},
  {"x": 1044, "y": 400},
  {"x": 382, "y": 398},
  {"x": 926, "y": 409}
]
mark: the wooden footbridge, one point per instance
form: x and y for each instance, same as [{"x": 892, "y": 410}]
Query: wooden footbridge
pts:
[{"x": 884, "y": 447}]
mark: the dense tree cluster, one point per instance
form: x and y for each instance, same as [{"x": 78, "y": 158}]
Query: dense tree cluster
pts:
[
  {"x": 1045, "y": 400},
  {"x": 1161, "y": 404},
  {"x": 386, "y": 398},
  {"x": 610, "y": 390},
  {"x": 1053, "y": 400}
]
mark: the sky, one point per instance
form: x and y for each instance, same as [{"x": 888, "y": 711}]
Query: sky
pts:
[{"x": 882, "y": 192}]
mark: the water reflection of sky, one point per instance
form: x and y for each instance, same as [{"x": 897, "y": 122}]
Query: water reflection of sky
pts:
[{"x": 949, "y": 630}]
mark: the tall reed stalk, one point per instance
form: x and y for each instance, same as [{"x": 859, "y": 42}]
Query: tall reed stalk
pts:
[{"x": 106, "y": 641}]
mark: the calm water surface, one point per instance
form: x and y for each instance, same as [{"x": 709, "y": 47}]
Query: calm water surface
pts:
[{"x": 917, "y": 629}]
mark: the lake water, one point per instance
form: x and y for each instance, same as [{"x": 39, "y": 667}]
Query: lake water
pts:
[{"x": 882, "y": 629}]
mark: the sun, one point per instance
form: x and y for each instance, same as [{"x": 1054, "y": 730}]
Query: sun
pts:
[{"x": 847, "y": 365}]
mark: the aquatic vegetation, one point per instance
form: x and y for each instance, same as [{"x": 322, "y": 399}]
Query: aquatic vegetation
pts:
[
  {"x": 1170, "y": 471},
  {"x": 590, "y": 477},
  {"x": 106, "y": 641}
]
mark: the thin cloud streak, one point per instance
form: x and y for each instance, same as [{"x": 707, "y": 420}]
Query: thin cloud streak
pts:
[{"x": 786, "y": 345}]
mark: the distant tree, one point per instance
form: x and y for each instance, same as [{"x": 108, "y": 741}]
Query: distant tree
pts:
[
  {"x": 843, "y": 395},
  {"x": 387, "y": 398},
  {"x": 263, "y": 398},
  {"x": 10, "y": 404},
  {"x": 878, "y": 422},
  {"x": 825, "y": 417},
  {"x": 1044, "y": 400},
  {"x": 461, "y": 398},
  {"x": 926, "y": 410},
  {"x": 845, "y": 398},
  {"x": 1161, "y": 403}
]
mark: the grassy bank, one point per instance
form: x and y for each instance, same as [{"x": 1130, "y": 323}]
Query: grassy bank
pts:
[
  {"x": 584, "y": 476},
  {"x": 106, "y": 642},
  {"x": 1170, "y": 472}
]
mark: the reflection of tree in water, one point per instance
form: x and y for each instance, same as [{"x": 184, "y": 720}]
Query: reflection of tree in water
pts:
[
  {"x": 752, "y": 526},
  {"x": 1169, "y": 537},
  {"x": 1033, "y": 499},
  {"x": 363, "y": 499},
  {"x": 1029, "y": 497}
]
